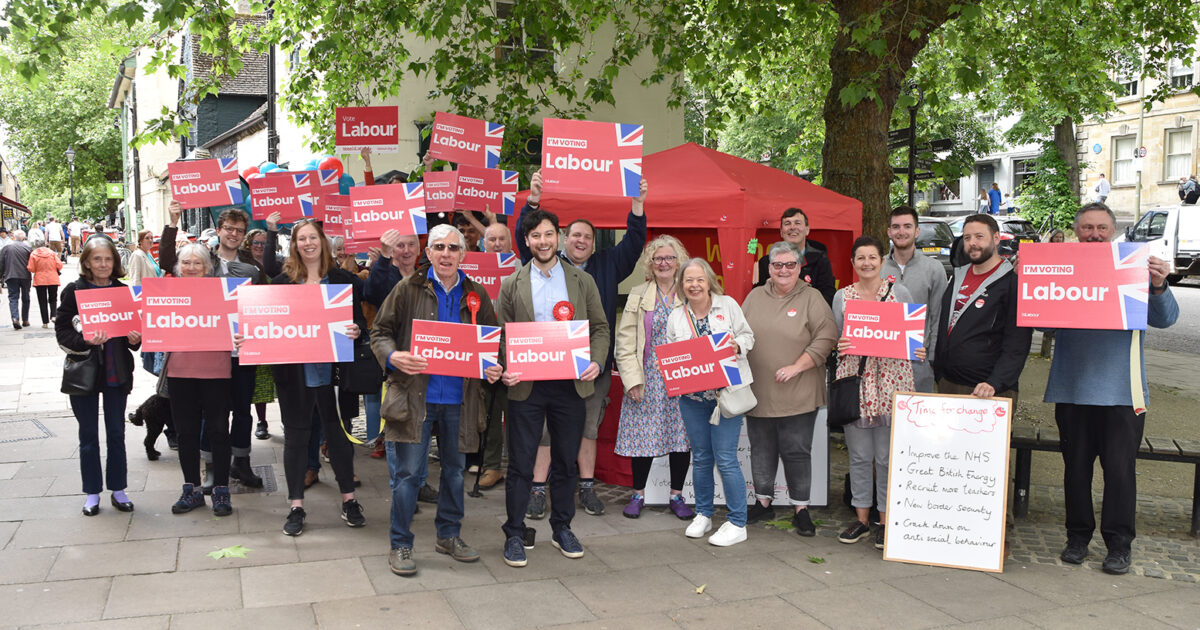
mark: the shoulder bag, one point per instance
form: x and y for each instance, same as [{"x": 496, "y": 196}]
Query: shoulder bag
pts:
[
  {"x": 843, "y": 405},
  {"x": 81, "y": 373},
  {"x": 732, "y": 401}
]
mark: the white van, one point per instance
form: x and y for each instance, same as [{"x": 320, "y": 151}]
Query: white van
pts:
[{"x": 1173, "y": 233}]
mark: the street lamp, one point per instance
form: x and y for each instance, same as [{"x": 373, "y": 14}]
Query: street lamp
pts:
[{"x": 71, "y": 162}]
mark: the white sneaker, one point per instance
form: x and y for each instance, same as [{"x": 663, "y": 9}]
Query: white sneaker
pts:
[
  {"x": 699, "y": 526},
  {"x": 728, "y": 535}
]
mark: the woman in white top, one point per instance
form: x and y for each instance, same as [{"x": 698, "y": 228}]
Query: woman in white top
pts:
[{"x": 141, "y": 263}]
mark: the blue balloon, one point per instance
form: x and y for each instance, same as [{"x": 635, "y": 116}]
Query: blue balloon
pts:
[
  {"x": 310, "y": 165},
  {"x": 345, "y": 183},
  {"x": 267, "y": 166}
]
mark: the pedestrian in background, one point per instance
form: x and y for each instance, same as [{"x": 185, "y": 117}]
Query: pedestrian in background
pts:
[
  {"x": 14, "y": 269},
  {"x": 99, "y": 267},
  {"x": 1102, "y": 189},
  {"x": 142, "y": 263},
  {"x": 45, "y": 265},
  {"x": 994, "y": 198}
]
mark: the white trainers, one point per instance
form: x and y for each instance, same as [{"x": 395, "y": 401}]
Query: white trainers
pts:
[
  {"x": 728, "y": 535},
  {"x": 699, "y": 526}
]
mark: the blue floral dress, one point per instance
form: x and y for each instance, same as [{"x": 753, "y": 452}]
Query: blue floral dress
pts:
[{"x": 653, "y": 426}]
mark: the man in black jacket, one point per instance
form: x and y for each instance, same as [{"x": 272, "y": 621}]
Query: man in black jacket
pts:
[
  {"x": 815, "y": 270},
  {"x": 980, "y": 350}
]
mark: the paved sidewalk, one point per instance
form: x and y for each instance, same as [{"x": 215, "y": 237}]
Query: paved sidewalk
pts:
[{"x": 150, "y": 569}]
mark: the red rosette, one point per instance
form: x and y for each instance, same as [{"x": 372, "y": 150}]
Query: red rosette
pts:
[
  {"x": 564, "y": 311},
  {"x": 473, "y": 303}
]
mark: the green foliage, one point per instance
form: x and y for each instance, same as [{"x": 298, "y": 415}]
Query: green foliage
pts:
[{"x": 1048, "y": 193}]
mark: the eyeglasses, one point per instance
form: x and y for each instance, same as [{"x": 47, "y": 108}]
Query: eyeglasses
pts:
[
  {"x": 258, "y": 244},
  {"x": 779, "y": 266},
  {"x": 664, "y": 260},
  {"x": 233, "y": 230},
  {"x": 441, "y": 247}
]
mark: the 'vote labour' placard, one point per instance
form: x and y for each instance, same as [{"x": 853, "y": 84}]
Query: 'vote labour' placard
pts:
[
  {"x": 295, "y": 323},
  {"x": 187, "y": 314},
  {"x": 454, "y": 349},
  {"x": 547, "y": 351},
  {"x": 376, "y": 128},
  {"x": 594, "y": 158},
  {"x": 377, "y": 209},
  {"x": 289, "y": 194},
  {"x": 203, "y": 183},
  {"x": 439, "y": 191},
  {"x": 700, "y": 364},
  {"x": 1083, "y": 285},
  {"x": 486, "y": 189},
  {"x": 892, "y": 330},
  {"x": 114, "y": 311},
  {"x": 489, "y": 269},
  {"x": 466, "y": 141}
]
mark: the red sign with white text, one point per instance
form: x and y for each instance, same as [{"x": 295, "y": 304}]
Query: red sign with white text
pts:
[
  {"x": 466, "y": 141},
  {"x": 290, "y": 194},
  {"x": 439, "y": 191},
  {"x": 295, "y": 323},
  {"x": 892, "y": 330},
  {"x": 595, "y": 158},
  {"x": 204, "y": 183},
  {"x": 377, "y": 209},
  {"x": 326, "y": 184},
  {"x": 547, "y": 351},
  {"x": 489, "y": 269},
  {"x": 374, "y": 128},
  {"x": 329, "y": 211},
  {"x": 188, "y": 314},
  {"x": 114, "y": 311},
  {"x": 697, "y": 365},
  {"x": 486, "y": 189},
  {"x": 454, "y": 349},
  {"x": 353, "y": 245},
  {"x": 1084, "y": 285}
]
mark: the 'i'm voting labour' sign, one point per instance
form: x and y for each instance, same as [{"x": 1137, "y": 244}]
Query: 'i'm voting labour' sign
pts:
[
  {"x": 114, "y": 311},
  {"x": 377, "y": 209},
  {"x": 1084, "y": 285},
  {"x": 296, "y": 323},
  {"x": 595, "y": 158},
  {"x": 547, "y": 351},
  {"x": 466, "y": 141},
  {"x": 204, "y": 183},
  {"x": 892, "y": 330},
  {"x": 187, "y": 314}
]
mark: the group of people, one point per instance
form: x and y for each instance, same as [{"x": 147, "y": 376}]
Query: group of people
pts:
[
  {"x": 783, "y": 334},
  {"x": 29, "y": 263}
]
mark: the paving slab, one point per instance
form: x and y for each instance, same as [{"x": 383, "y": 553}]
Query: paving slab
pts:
[
  {"x": 42, "y": 602},
  {"x": 7, "y": 529},
  {"x": 970, "y": 595},
  {"x": 646, "y": 621},
  {"x": 834, "y": 564},
  {"x": 303, "y": 582},
  {"x": 107, "y": 526},
  {"x": 732, "y": 579},
  {"x": 118, "y": 558},
  {"x": 1095, "y": 614},
  {"x": 435, "y": 572},
  {"x": 157, "y": 622},
  {"x": 514, "y": 606},
  {"x": 28, "y": 508},
  {"x": 162, "y": 593},
  {"x": 868, "y": 605},
  {"x": 626, "y": 591},
  {"x": 33, "y": 487},
  {"x": 155, "y": 520},
  {"x": 338, "y": 542},
  {"x": 655, "y": 548},
  {"x": 296, "y": 617},
  {"x": 1069, "y": 586},
  {"x": 26, "y": 565},
  {"x": 1179, "y": 607},
  {"x": 264, "y": 549},
  {"x": 413, "y": 610},
  {"x": 766, "y": 612}
]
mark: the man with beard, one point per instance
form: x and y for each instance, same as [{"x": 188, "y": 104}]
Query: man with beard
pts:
[
  {"x": 980, "y": 350},
  {"x": 924, "y": 277},
  {"x": 1098, "y": 386}
]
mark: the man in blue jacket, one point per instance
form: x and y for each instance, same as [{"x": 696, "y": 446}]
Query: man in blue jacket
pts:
[
  {"x": 1098, "y": 384},
  {"x": 608, "y": 268}
]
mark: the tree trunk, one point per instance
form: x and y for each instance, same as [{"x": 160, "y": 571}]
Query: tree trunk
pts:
[
  {"x": 855, "y": 155},
  {"x": 1064, "y": 141}
]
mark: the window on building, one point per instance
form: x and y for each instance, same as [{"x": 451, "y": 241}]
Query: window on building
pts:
[
  {"x": 1179, "y": 153},
  {"x": 1181, "y": 75},
  {"x": 1127, "y": 86},
  {"x": 1123, "y": 148},
  {"x": 1023, "y": 170},
  {"x": 535, "y": 46}
]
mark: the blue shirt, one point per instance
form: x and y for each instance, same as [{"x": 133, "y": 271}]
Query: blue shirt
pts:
[
  {"x": 547, "y": 289},
  {"x": 317, "y": 374},
  {"x": 446, "y": 390},
  {"x": 994, "y": 201}
]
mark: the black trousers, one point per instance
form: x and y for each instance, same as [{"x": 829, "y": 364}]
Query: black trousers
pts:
[
  {"x": 1112, "y": 434},
  {"x": 680, "y": 462},
  {"x": 47, "y": 301},
  {"x": 557, "y": 406},
  {"x": 197, "y": 402},
  {"x": 296, "y": 410}
]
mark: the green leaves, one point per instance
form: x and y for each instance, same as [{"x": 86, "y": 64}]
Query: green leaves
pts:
[{"x": 236, "y": 551}]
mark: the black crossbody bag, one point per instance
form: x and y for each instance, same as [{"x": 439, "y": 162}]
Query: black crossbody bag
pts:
[{"x": 843, "y": 405}]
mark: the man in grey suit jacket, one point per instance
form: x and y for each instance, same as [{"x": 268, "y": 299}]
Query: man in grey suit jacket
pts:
[{"x": 547, "y": 290}]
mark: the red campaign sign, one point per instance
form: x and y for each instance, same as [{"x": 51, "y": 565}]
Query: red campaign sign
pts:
[
  {"x": 354, "y": 246},
  {"x": 188, "y": 314},
  {"x": 329, "y": 211},
  {"x": 489, "y": 269},
  {"x": 204, "y": 183},
  {"x": 486, "y": 189},
  {"x": 547, "y": 351},
  {"x": 290, "y": 194},
  {"x": 697, "y": 365},
  {"x": 1084, "y": 285},
  {"x": 326, "y": 183},
  {"x": 375, "y": 128},
  {"x": 114, "y": 311},
  {"x": 891, "y": 330},
  {"x": 466, "y": 141},
  {"x": 595, "y": 158},
  {"x": 453, "y": 349},
  {"x": 297, "y": 323},
  {"x": 377, "y": 209},
  {"x": 439, "y": 191}
]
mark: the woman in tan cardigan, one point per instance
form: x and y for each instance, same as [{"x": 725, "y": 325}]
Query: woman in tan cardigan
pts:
[{"x": 651, "y": 425}]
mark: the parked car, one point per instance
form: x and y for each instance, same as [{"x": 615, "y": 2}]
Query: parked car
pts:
[
  {"x": 935, "y": 240},
  {"x": 1014, "y": 230},
  {"x": 1173, "y": 233}
]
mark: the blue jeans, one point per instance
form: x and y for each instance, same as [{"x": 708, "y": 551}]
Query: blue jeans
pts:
[
  {"x": 714, "y": 444},
  {"x": 87, "y": 413},
  {"x": 409, "y": 462}
]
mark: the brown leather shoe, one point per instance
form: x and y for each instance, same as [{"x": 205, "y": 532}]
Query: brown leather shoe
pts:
[
  {"x": 490, "y": 478},
  {"x": 310, "y": 477}
]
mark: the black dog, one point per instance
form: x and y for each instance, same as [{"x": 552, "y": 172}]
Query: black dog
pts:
[{"x": 155, "y": 413}]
